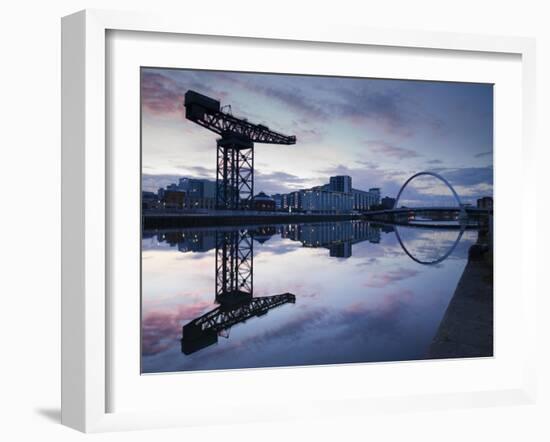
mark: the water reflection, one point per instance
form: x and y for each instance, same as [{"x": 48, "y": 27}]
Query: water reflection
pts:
[
  {"x": 428, "y": 253},
  {"x": 234, "y": 292},
  {"x": 328, "y": 235},
  {"x": 364, "y": 300}
]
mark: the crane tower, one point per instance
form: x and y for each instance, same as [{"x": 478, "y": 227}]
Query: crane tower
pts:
[{"x": 235, "y": 148}]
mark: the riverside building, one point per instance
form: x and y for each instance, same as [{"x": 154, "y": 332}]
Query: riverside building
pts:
[{"x": 337, "y": 196}]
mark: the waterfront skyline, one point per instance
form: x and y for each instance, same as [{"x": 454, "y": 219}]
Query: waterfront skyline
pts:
[{"x": 379, "y": 132}]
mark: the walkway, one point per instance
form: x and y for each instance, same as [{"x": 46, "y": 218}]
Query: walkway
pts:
[{"x": 467, "y": 327}]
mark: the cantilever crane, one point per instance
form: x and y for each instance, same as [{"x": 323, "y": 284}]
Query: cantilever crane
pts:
[{"x": 235, "y": 148}]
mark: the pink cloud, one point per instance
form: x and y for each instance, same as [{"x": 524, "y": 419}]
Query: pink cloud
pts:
[
  {"x": 160, "y": 94},
  {"x": 160, "y": 327}
]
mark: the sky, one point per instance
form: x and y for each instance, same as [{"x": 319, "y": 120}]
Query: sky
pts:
[{"x": 378, "y": 131}]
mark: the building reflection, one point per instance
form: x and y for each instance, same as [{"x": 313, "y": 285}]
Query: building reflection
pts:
[{"x": 338, "y": 238}]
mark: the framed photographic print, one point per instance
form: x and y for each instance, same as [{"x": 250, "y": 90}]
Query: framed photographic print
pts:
[{"x": 290, "y": 223}]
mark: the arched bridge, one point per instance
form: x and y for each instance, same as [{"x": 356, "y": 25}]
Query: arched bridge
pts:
[
  {"x": 463, "y": 210},
  {"x": 433, "y": 174}
]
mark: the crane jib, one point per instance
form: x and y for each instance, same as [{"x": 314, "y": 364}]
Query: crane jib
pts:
[{"x": 206, "y": 112}]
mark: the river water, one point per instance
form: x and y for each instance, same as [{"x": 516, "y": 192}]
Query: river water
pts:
[{"x": 294, "y": 295}]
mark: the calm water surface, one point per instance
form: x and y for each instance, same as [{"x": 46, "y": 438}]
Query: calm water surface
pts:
[{"x": 330, "y": 293}]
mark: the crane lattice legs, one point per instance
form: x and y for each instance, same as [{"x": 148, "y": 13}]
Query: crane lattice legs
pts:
[
  {"x": 234, "y": 260},
  {"x": 234, "y": 173}
]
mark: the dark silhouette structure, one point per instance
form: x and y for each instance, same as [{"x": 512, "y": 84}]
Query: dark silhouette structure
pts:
[
  {"x": 235, "y": 148},
  {"x": 234, "y": 293}
]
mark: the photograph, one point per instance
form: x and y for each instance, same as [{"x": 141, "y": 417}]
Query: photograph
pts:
[{"x": 302, "y": 220}]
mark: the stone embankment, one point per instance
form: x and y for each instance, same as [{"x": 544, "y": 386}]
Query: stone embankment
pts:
[{"x": 467, "y": 326}]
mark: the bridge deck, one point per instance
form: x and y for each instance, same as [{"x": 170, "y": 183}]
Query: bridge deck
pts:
[{"x": 428, "y": 209}]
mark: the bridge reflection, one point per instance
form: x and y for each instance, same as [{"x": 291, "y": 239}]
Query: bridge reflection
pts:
[{"x": 440, "y": 257}]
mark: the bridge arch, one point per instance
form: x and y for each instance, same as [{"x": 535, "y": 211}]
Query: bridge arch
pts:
[{"x": 433, "y": 174}]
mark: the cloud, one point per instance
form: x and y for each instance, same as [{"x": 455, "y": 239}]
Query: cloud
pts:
[
  {"x": 314, "y": 100},
  {"x": 277, "y": 182},
  {"x": 290, "y": 96},
  {"x": 385, "y": 107},
  {"x": 199, "y": 171},
  {"x": 381, "y": 280},
  {"x": 333, "y": 99},
  {"x": 467, "y": 176},
  {"x": 160, "y": 327},
  {"x": 390, "y": 150},
  {"x": 152, "y": 183},
  {"x": 434, "y": 162},
  {"x": 322, "y": 335},
  {"x": 306, "y": 132},
  {"x": 369, "y": 164},
  {"x": 163, "y": 91},
  {"x": 160, "y": 94}
]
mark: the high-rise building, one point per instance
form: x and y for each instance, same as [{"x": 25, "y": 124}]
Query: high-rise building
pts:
[
  {"x": 340, "y": 183},
  {"x": 375, "y": 192},
  {"x": 197, "y": 188},
  {"x": 362, "y": 200},
  {"x": 278, "y": 199},
  {"x": 294, "y": 200},
  {"x": 199, "y": 193}
]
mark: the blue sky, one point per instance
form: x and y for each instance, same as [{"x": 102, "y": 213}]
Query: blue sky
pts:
[{"x": 377, "y": 131}]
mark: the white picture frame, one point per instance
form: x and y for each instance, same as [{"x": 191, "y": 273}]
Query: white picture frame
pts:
[{"x": 85, "y": 206}]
